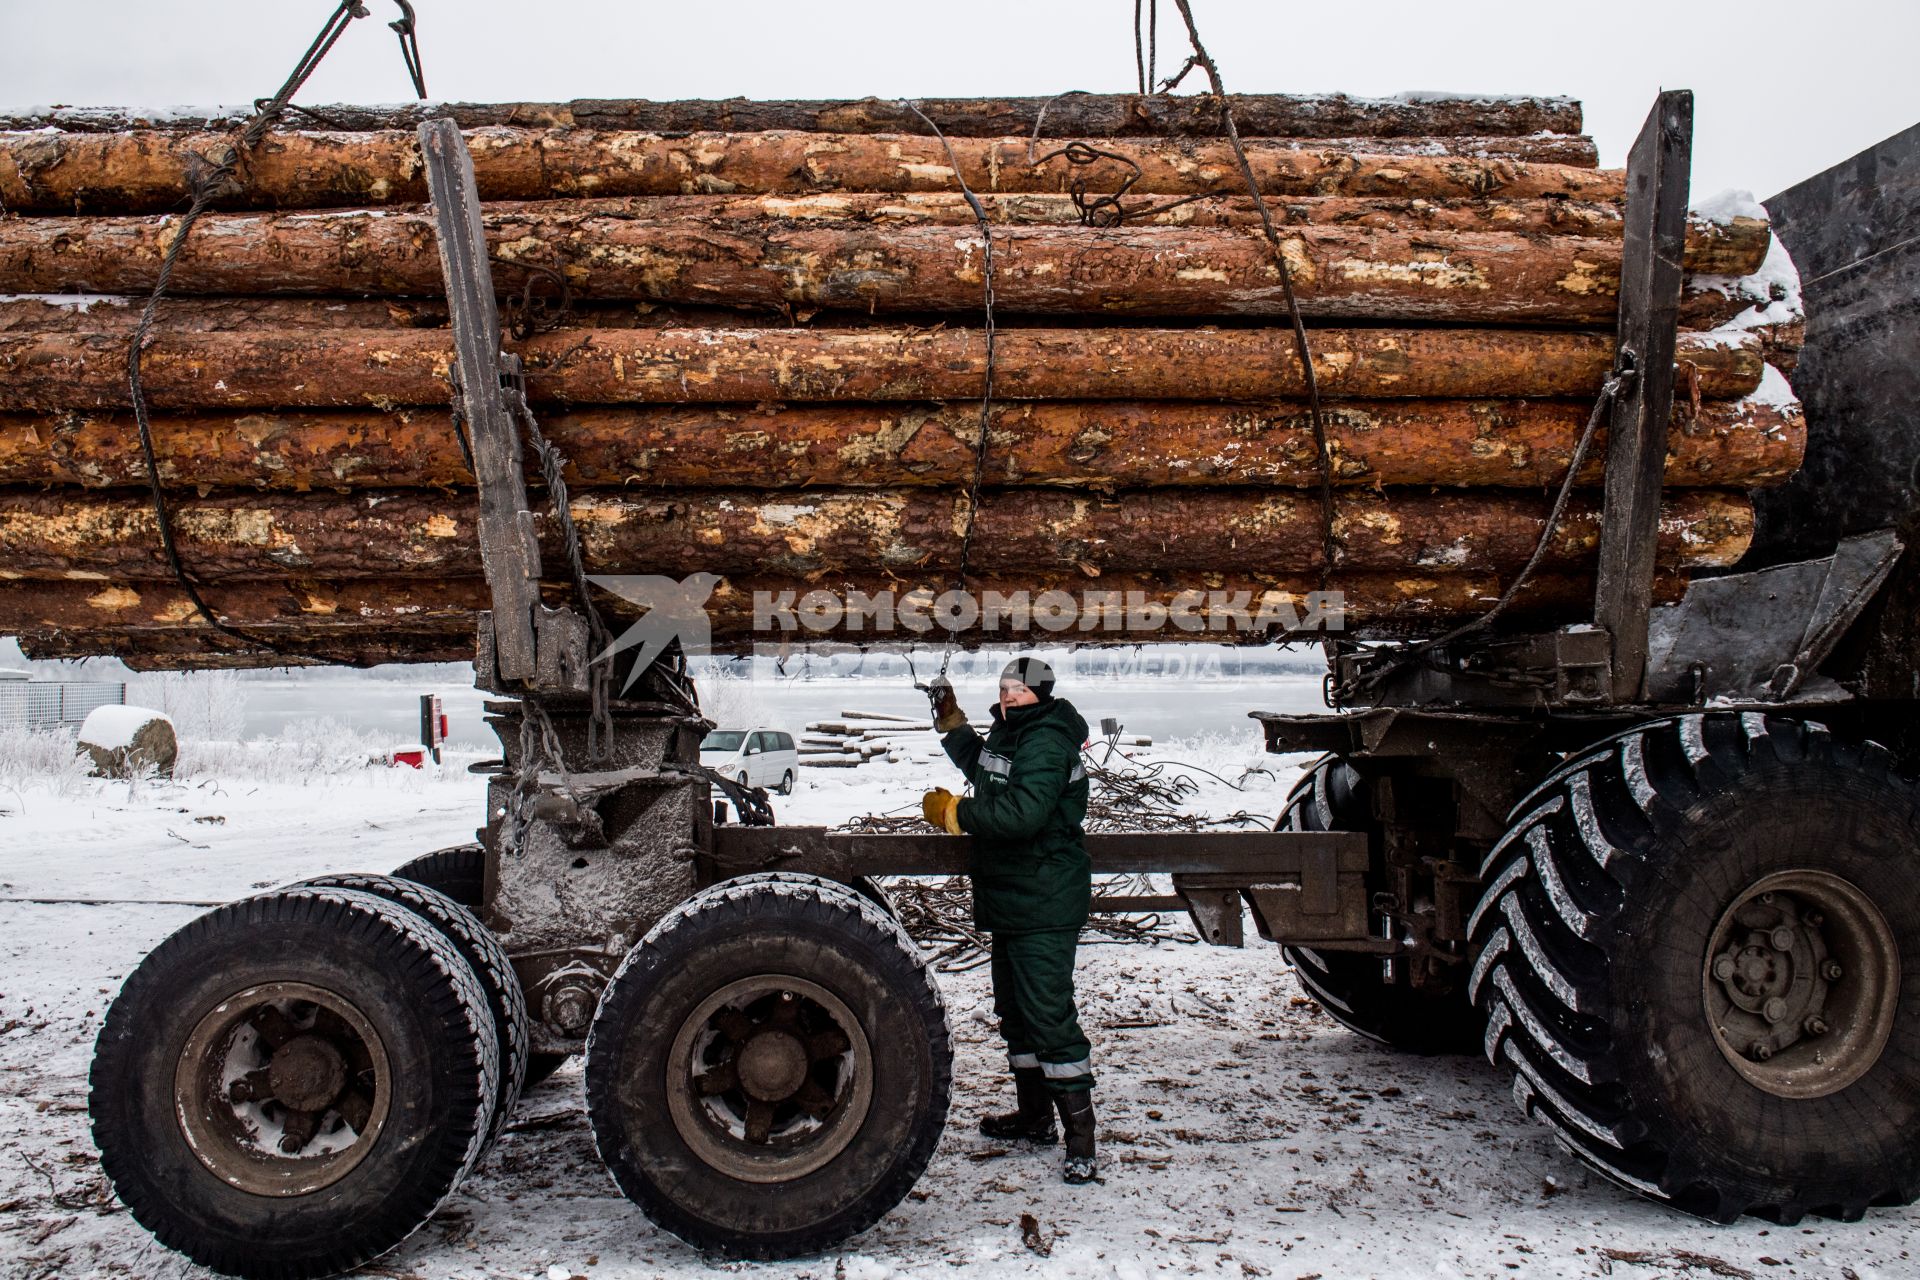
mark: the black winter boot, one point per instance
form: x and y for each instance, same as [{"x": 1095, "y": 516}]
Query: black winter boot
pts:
[
  {"x": 1076, "y": 1118},
  {"x": 1033, "y": 1122}
]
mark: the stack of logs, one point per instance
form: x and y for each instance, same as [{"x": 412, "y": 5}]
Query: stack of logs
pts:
[{"x": 766, "y": 363}]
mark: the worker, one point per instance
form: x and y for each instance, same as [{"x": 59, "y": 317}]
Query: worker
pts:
[{"x": 1032, "y": 883}]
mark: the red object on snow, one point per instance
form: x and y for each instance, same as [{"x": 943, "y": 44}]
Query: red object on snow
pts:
[{"x": 413, "y": 756}]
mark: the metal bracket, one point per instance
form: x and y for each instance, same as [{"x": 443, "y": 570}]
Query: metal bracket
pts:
[{"x": 1651, "y": 276}]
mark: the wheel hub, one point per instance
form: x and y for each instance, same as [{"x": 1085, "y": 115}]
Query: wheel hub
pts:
[
  {"x": 307, "y": 1073},
  {"x": 1800, "y": 982},
  {"x": 282, "y": 1088},
  {"x": 772, "y": 1065}
]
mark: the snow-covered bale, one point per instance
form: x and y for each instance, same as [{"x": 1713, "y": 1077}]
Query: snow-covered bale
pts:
[{"x": 125, "y": 740}]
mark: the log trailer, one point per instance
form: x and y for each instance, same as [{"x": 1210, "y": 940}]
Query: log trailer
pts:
[{"x": 1660, "y": 867}]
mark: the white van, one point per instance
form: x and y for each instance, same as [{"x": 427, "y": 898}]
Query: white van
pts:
[{"x": 753, "y": 757}]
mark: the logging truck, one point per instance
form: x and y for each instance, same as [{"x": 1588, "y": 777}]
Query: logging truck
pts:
[{"x": 1659, "y": 866}]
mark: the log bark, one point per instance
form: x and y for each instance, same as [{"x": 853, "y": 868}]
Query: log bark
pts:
[
  {"x": 374, "y": 618},
  {"x": 1073, "y": 444},
  {"x": 298, "y": 368},
  {"x": 148, "y": 172},
  {"x": 1092, "y": 115},
  {"x": 119, "y": 313},
  {"x": 1019, "y": 531},
  {"x": 1338, "y": 272}
]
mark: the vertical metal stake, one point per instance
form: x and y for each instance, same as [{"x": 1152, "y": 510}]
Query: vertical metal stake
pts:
[
  {"x": 1650, "y": 283},
  {"x": 509, "y": 553}
]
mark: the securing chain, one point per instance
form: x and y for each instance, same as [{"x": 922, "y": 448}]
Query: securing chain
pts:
[
  {"x": 212, "y": 179},
  {"x": 1329, "y": 543},
  {"x": 553, "y": 467},
  {"x": 1397, "y": 659},
  {"x": 527, "y": 313}
]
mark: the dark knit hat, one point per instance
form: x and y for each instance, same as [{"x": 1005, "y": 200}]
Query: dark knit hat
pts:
[{"x": 1033, "y": 673}]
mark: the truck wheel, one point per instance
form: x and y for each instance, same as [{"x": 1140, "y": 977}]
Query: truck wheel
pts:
[
  {"x": 770, "y": 1068},
  {"x": 1350, "y": 986},
  {"x": 1699, "y": 957},
  {"x": 290, "y": 1085},
  {"x": 488, "y": 960},
  {"x": 460, "y": 872}
]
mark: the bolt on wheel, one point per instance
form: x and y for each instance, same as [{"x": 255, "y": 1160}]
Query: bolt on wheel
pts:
[{"x": 1801, "y": 984}]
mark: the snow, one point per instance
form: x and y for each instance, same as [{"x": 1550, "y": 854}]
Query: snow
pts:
[
  {"x": 1723, "y": 207},
  {"x": 1774, "y": 391},
  {"x": 1243, "y": 1134},
  {"x": 114, "y": 726},
  {"x": 71, "y": 301},
  {"x": 1773, "y": 291}
]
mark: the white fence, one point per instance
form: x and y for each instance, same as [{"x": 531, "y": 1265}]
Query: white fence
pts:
[{"x": 55, "y": 702}]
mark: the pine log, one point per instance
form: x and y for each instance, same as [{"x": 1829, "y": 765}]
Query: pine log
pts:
[
  {"x": 394, "y": 252},
  {"x": 1074, "y": 444},
  {"x": 1338, "y": 272},
  {"x": 381, "y": 533},
  {"x": 1731, "y": 247},
  {"x": 388, "y": 619},
  {"x": 1066, "y": 115},
  {"x": 148, "y": 172},
  {"x": 357, "y": 368},
  {"x": 119, "y": 313}
]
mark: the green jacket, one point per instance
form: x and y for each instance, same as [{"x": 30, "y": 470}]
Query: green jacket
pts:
[{"x": 1029, "y": 866}]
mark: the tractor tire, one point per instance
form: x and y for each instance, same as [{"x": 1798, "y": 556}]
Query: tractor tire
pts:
[
  {"x": 460, "y": 872},
  {"x": 770, "y": 1068},
  {"x": 488, "y": 959},
  {"x": 343, "y": 1023},
  {"x": 1699, "y": 958},
  {"x": 1351, "y": 987}
]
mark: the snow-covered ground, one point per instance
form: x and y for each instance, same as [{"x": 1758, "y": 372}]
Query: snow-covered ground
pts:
[{"x": 1243, "y": 1133}]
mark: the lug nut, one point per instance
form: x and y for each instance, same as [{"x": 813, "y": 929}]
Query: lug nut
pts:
[
  {"x": 1831, "y": 971},
  {"x": 1781, "y": 939},
  {"x": 1723, "y": 967},
  {"x": 1775, "y": 1009},
  {"x": 1761, "y": 1050},
  {"x": 1815, "y": 1026}
]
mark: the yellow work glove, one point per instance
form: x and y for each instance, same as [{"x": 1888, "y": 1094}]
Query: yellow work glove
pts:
[
  {"x": 942, "y": 808},
  {"x": 947, "y": 715}
]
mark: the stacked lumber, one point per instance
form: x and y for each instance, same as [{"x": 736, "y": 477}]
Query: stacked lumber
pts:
[
  {"x": 768, "y": 363},
  {"x": 859, "y": 737}
]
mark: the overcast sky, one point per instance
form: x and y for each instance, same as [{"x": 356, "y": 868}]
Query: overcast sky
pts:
[{"x": 1783, "y": 89}]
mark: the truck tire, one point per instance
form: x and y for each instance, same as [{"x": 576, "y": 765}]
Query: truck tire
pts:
[
  {"x": 1699, "y": 957},
  {"x": 786, "y": 1091},
  {"x": 488, "y": 960},
  {"x": 1351, "y": 987},
  {"x": 348, "y": 1005},
  {"x": 460, "y": 872}
]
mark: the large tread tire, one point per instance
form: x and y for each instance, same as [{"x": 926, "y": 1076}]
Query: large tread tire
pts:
[
  {"x": 1602, "y": 903},
  {"x": 798, "y": 927},
  {"x": 423, "y": 1002},
  {"x": 488, "y": 959},
  {"x": 459, "y": 871},
  {"x": 1349, "y": 986}
]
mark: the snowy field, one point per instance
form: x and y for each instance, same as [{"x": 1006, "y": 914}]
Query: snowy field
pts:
[{"x": 1242, "y": 1133}]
